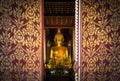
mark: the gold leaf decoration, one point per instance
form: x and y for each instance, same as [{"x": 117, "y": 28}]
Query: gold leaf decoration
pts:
[
  {"x": 100, "y": 40},
  {"x": 21, "y": 40}
]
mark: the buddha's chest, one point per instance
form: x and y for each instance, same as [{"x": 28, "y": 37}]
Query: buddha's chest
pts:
[{"x": 59, "y": 52}]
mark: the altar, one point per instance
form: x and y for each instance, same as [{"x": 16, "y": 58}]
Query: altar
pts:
[{"x": 59, "y": 74}]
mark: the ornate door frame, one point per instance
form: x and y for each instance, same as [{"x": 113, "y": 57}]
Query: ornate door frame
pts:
[{"x": 78, "y": 29}]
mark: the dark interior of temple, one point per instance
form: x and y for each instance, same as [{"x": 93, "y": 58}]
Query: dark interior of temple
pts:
[{"x": 59, "y": 14}]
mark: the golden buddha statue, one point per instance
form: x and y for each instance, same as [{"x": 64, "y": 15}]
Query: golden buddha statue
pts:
[{"x": 59, "y": 54}]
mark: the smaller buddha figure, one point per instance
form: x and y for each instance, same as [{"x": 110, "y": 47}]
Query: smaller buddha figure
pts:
[{"x": 59, "y": 53}]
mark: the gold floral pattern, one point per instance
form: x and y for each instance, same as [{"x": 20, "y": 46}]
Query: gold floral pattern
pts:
[
  {"x": 100, "y": 58},
  {"x": 21, "y": 40}
]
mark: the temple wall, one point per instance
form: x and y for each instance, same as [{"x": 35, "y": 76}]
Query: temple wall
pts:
[
  {"x": 21, "y": 40},
  {"x": 100, "y": 57}
]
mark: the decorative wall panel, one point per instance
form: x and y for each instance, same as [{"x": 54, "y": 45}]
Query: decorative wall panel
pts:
[
  {"x": 100, "y": 40},
  {"x": 21, "y": 40}
]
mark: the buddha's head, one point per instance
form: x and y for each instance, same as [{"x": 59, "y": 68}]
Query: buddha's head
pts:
[{"x": 59, "y": 38}]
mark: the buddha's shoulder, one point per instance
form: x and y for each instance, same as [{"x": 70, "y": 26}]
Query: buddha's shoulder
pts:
[
  {"x": 64, "y": 47},
  {"x": 54, "y": 47}
]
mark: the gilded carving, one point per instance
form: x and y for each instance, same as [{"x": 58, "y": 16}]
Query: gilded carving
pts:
[
  {"x": 20, "y": 40},
  {"x": 100, "y": 40}
]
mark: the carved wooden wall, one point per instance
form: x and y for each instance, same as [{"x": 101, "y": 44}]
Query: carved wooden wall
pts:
[
  {"x": 100, "y": 40},
  {"x": 21, "y": 40}
]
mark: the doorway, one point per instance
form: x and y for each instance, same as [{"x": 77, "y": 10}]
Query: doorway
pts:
[{"x": 59, "y": 14}]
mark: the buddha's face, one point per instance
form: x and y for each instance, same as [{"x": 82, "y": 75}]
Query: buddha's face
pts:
[{"x": 59, "y": 38}]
